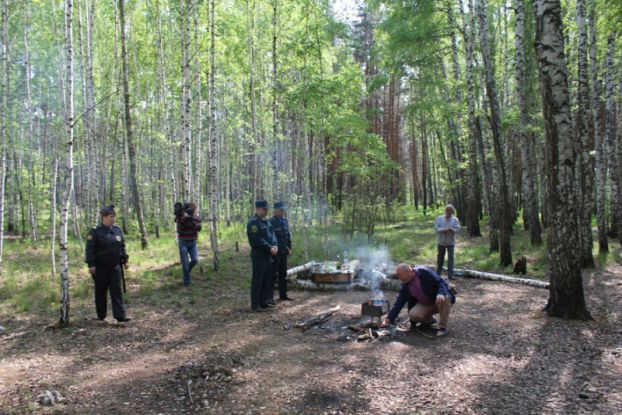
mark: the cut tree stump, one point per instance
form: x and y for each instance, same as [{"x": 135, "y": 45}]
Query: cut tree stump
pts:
[
  {"x": 320, "y": 318},
  {"x": 469, "y": 273}
]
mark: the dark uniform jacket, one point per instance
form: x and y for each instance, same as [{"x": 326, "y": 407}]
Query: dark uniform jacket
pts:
[
  {"x": 260, "y": 235},
  {"x": 105, "y": 247},
  {"x": 431, "y": 284},
  {"x": 281, "y": 231}
]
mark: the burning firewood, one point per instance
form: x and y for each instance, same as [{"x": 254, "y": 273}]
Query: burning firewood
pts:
[{"x": 320, "y": 318}]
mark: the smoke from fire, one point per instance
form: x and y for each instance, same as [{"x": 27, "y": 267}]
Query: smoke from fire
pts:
[{"x": 375, "y": 264}]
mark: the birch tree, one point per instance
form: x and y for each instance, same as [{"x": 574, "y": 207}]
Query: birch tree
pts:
[
  {"x": 186, "y": 97},
  {"x": 5, "y": 106},
  {"x": 611, "y": 138},
  {"x": 503, "y": 205},
  {"x": 212, "y": 160},
  {"x": 584, "y": 165},
  {"x": 131, "y": 146},
  {"x": 68, "y": 190},
  {"x": 472, "y": 185},
  {"x": 566, "y": 298},
  {"x": 600, "y": 167},
  {"x": 526, "y": 135},
  {"x": 31, "y": 130}
]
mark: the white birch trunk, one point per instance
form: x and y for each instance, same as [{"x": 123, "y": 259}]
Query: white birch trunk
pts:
[
  {"x": 53, "y": 209},
  {"x": 617, "y": 175},
  {"x": 186, "y": 98},
  {"x": 503, "y": 206},
  {"x": 600, "y": 167},
  {"x": 566, "y": 298},
  {"x": 131, "y": 147},
  {"x": 474, "y": 193},
  {"x": 610, "y": 138},
  {"x": 504, "y": 278},
  {"x": 31, "y": 132},
  {"x": 529, "y": 187},
  {"x": 198, "y": 128},
  {"x": 170, "y": 162},
  {"x": 213, "y": 148},
  {"x": 90, "y": 116},
  {"x": 255, "y": 140},
  {"x": 64, "y": 221},
  {"x": 585, "y": 166},
  {"x": 5, "y": 106}
]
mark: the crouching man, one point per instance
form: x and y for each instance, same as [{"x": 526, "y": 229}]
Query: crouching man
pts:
[{"x": 426, "y": 294}]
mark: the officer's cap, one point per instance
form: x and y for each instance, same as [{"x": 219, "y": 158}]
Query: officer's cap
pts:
[
  {"x": 261, "y": 204},
  {"x": 107, "y": 210},
  {"x": 280, "y": 205}
]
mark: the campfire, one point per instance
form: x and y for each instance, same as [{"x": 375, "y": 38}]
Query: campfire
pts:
[
  {"x": 375, "y": 309},
  {"x": 371, "y": 272}
]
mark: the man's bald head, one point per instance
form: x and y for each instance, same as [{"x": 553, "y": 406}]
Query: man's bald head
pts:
[{"x": 404, "y": 272}]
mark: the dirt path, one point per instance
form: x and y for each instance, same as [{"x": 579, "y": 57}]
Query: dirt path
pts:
[{"x": 502, "y": 356}]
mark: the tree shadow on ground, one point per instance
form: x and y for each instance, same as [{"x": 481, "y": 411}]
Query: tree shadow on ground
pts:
[{"x": 566, "y": 370}]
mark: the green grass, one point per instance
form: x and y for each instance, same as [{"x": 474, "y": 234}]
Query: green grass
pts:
[{"x": 28, "y": 286}]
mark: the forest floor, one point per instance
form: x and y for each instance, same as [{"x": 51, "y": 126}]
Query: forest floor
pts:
[{"x": 200, "y": 350}]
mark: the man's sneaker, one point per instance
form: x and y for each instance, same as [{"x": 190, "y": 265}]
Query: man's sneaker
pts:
[
  {"x": 443, "y": 331},
  {"x": 428, "y": 324},
  {"x": 405, "y": 326}
]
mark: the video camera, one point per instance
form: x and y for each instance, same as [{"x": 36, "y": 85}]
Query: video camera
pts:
[{"x": 183, "y": 211}]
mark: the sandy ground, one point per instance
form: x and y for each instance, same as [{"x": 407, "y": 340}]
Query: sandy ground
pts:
[{"x": 502, "y": 356}]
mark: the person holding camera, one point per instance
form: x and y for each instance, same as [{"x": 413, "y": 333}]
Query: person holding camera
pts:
[
  {"x": 105, "y": 254},
  {"x": 263, "y": 249},
  {"x": 188, "y": 228}
]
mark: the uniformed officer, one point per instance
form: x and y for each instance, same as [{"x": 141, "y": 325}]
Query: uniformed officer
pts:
[
  {"x": 284, "y": 243},
  {"x": 263, "y": 249},
  {"x": 105, "y": 254}
]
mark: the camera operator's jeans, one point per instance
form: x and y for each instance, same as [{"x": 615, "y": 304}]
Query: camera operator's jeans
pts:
[{"x": 188, "y": 248}]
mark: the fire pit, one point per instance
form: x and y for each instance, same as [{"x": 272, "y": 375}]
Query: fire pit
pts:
[{"x": 375, "y": 308}]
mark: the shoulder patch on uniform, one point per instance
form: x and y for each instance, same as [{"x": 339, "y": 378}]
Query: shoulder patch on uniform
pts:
[
  {"x": 254, "y": 229},
  {"x": 89, "y": 237}
]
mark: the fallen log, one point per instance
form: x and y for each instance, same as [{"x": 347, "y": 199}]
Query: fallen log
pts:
[
  {"x": 320, "y": 318},
  {"x": 310, "y": 285},
  {"x": 469, "y": 273},
  {"x": 385, "y": 285},
  {"x": 300, "y": 268}
]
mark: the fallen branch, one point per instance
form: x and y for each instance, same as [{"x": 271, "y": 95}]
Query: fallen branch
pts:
[
  {"x": 190, "y": 393},
  {"x": 300, "y": 268},
  {"x": 469, "y": 273},
  {"x": 320, "y": 318}
]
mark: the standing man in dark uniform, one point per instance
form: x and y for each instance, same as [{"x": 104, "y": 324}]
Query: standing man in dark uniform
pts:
[
  {"x": 263, "y": 249},
  {"x": 284, "y": 240},
  {"x": 105, "y": 254}
]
